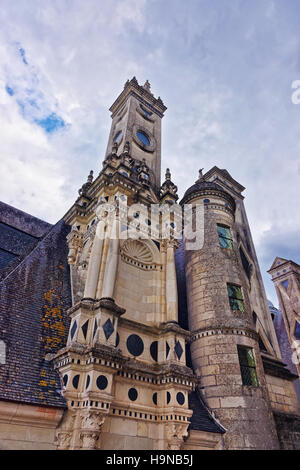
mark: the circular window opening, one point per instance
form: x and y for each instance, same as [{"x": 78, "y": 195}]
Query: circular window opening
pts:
[
  {"x": 118, "y": 137},
  {"x": 144, "y": 139}
]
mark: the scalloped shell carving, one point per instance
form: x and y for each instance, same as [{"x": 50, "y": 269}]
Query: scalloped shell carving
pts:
[{"x": 137, "y": 250}]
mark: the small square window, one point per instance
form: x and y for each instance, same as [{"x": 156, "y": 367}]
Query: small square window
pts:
[
  {"x": 235, "y": 297},
  {"x": 225, "y": 238},
  {"x": 247, "y": 365}
]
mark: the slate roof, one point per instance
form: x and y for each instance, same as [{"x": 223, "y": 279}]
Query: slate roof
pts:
[
  {"x": 19, "y": 233},
  {"x": 202, "y": 419},
  {"x": 34, "y": 297}
]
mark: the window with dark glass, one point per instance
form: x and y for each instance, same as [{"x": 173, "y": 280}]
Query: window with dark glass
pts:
[
  {"x": 247, "y": 365},
  {"x": 236, "y": 299},
  {"x": 225, "y": 237}
]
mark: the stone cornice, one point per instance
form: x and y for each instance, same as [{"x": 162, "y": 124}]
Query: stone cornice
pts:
[{"x": 133, "y": 88}]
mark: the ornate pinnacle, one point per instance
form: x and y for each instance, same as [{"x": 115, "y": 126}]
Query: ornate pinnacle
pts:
[
  {"x": 200, "y": 175},
  {"x": 114, "y": 148},
  {"x": 90, "y": 177},
  {"x": 127, "y": 147},
  {"x": 147, "y": 85},
  {"x": 168, "y": 175}
]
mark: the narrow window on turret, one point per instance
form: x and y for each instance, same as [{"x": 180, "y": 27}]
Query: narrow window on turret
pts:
[
  {"x": 236, "y": 299},
  {"x": 225, "y": 237},
  {"x": 247, "y": 365}
]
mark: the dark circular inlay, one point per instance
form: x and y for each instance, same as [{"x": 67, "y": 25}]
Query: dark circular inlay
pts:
[
  {"x": 65, "y": 379},
  {"x": 75, "y": 381},
  {"x": 117, "y": 339},
  {"x": 168, "y": 397},
  {"x": 153, "y": 350},
  {"x": 101, "y": 382},
  {"x": 135, "y": 345},
  {"x": 132, "y": 394},
  {"x": 88, "y": 379},
  {"x": 180, "y": 398},
  {"x": 154, "y": 398}
]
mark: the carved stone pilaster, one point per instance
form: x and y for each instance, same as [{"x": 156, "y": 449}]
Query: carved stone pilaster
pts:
[
  {"x": 65, "y": 432},
  {"x": 73, "y": 239},
  {"x": 91, "y": 425},
  {"x": 175, "y": 434},
  {"x": 63, "y": 439}
]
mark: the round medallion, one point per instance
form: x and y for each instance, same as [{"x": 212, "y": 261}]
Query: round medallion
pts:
[
  {"x": 75, "y": 381},
  {"x": 168, "y": 397},
  {"x": 180, "y": 398},
  {"x": 65, "y": 379},
  {"x": 101, "y": 382},
  {"x": 154, "y": 398},
  {"x": 153, "y": 350},
  {"x": 132, "y": 394},
  {"x": 135, "y": 345}
]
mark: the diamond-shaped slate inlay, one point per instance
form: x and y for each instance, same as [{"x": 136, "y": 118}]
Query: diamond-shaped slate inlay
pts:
[
  {"x": 178, "y": 350},
  {"x": 73, "y": 329},
  {"x": 85, "y": 328},
  {"x": 108, "y": 328}
]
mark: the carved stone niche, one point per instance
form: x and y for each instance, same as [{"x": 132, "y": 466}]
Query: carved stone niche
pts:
[
  {"x": 175, "y": 435},
  {"x": 91, "y": 425}
]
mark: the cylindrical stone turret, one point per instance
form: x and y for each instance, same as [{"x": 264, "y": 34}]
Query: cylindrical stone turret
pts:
[{"x": 224, "y": 345}]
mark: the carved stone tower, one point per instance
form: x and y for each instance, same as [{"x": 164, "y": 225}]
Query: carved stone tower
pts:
[
  {"x": 136, "y": 120},
  {"x": 286, "y": 277},
  {"x": 225, "y": 344},
  {"x": 124, "y": 369}
]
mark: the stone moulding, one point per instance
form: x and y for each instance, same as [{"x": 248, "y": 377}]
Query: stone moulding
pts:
[{"x": 223, "y": 331}]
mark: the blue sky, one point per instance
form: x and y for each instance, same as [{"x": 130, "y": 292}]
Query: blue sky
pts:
[{"x": 224, "y": 68}]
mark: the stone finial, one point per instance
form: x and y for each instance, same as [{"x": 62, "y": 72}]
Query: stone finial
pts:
[
  {"x": 127, "y": 147},
  {"x": 147, "y": 85},
  {"x": 168, "y": 187},
  {"x": 200, "y": 175},
  {"x": 114, "y": 148},
  {"x": 90, "y": 177},
  {"x": 83, "y": 190}
]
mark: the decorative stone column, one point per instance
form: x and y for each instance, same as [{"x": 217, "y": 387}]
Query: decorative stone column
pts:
[
  {"x": 171, "y": 283},
  {"x": 112, "y": 262},
  {"x": 94, "y": 263}
]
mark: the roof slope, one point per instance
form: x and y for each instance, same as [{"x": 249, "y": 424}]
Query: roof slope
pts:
[
  {"x": 19, "y": 234},
  {"x": 34, "y": 299}
]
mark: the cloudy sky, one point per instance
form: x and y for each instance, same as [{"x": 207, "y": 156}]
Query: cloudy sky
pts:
[{"x": 224, "y": 68}]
